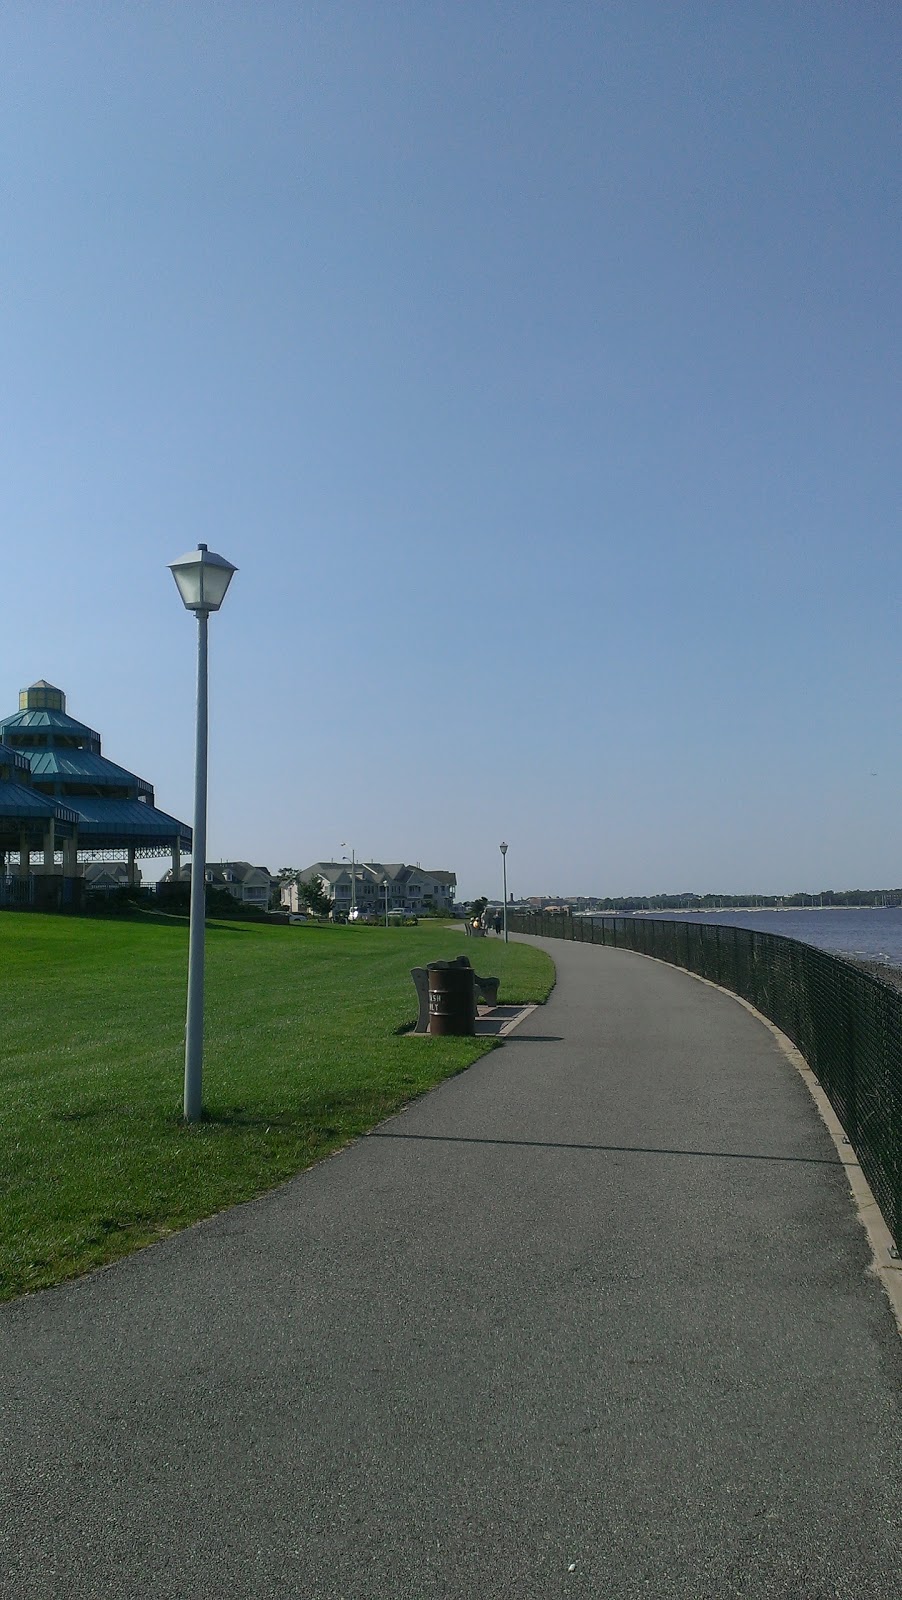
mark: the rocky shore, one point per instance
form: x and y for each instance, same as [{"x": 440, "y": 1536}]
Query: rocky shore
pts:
[{"x": 878, "y": 969}]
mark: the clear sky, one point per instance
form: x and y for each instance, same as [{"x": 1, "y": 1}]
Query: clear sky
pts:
[{"x": 538, "y": 367}]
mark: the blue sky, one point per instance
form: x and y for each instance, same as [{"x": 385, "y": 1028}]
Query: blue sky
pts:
[{"x": 538, "y": 367}]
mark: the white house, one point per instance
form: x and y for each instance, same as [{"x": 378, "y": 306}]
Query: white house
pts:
[
  {"x": 408, "y": 888},
  {"x": 252, "y": 886}
]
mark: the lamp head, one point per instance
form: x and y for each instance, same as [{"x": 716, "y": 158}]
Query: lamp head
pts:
[
  {"x": 202, "y": 578},
  {"x": 503, "y": 848}
]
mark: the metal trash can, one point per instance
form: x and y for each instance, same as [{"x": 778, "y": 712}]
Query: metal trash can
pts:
[{"x": 452, "y": 999}]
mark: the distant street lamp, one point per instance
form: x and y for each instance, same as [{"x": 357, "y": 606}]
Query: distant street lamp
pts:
[
  {"x": 202, "y": 578},
  {"x": 352, "y": 915},
  {"x": 503, "y": 849},
  {"x": 385, "y": 885}
]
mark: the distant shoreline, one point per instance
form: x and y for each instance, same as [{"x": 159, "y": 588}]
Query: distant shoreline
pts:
[{"x": 724, "y": 911}]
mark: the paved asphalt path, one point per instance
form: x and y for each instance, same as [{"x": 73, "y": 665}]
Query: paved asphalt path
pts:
[{"x": 590, "y": 1320}]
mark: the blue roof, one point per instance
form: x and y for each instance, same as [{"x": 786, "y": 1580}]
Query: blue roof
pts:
[
  {"x": 50, "y": 752},
  {"x": 84, "y": 764},
  {"x": 113, "y": 822},
  {"x": 47, "y": 719},
  {"x": 17, "y": 801},
  {"x": 14, "y": 758}
]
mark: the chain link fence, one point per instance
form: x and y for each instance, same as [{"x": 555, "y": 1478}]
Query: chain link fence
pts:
[{"x": 846, "y": 1023}]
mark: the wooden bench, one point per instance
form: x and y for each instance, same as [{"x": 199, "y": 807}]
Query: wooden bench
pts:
[{"x": 486, "y": 988}]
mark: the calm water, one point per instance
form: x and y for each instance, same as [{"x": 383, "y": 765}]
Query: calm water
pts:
[{"x": 871, "y": 933}]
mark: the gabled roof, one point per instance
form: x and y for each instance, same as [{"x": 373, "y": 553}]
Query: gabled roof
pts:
[
  {"x": 435, "y": 874},
  {"x": 330, "y": 871},
  {"x": 241, "y": 871},
  {"x": 374, "y": 871},
  {"x": 106, "y": 869}
]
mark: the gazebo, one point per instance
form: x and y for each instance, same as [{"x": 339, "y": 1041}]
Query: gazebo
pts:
[
  {"x": 73, "y": 798},
  {"x": 30, "y": 821}
]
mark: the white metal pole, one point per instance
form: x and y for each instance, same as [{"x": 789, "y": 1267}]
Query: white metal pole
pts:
[
  {"x": 194, "y": 1025},
  {"x": 504, "y": 881},
  {"x": 353, "y": 883}
]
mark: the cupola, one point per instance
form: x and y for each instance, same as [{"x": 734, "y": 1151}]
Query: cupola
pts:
[{"x": 42, "y": 696}]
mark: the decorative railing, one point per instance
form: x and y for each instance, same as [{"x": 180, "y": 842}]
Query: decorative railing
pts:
[
  {"x": 16, "y": 891},
  {"x": 846, "y": 1023}
]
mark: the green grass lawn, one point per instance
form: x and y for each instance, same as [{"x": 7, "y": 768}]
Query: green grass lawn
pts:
[{"x": 302, "y": 1052}]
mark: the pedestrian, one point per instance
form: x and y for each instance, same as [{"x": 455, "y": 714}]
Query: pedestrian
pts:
[{"x": 497, "y": 922}]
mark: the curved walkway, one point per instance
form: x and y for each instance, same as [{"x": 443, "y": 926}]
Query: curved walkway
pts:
[{"x": 591, "y": 1320}]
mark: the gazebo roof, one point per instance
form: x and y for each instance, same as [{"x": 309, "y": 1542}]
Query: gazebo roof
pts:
[
  {"x": 26, "y": 806},
  {"x": 58, "y": 720},
  {"x": 56, "y": 749},
  {"x": 84, "y": 764},
  {"x": 14, "y": 758},
  {"x": 17, "y": 801},
  {"x": 107, "y": 824}
]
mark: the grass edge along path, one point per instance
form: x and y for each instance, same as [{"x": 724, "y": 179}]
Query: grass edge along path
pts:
[{"x": 305, "y": 1050}]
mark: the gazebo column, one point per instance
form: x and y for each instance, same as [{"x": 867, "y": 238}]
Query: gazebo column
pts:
[
  {"x": 176, "y": 862},
  {"x": 70, "y": 857},
  {"x": 24, "y": 855},
  {"x": 49, "y": 846},
  {"x": 131, "y": 866}
]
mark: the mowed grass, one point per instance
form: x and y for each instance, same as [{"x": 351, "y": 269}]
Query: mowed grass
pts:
[{"x": 302, "y": 1052}]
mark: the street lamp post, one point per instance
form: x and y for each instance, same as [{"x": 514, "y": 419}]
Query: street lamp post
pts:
[
  {"x": 352, "y": 918},
  {"x": 202, "y": 578},
  {"x": 503, "y": 848},
  {"x": 385, "y": 885}
]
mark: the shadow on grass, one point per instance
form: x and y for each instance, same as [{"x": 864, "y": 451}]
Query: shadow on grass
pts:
[
  {"x": 158, "y": 919},
  {"x": 345, "y": 1122}
]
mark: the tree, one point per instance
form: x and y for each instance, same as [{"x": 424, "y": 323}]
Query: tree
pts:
[{"x": 315, "y": 897}]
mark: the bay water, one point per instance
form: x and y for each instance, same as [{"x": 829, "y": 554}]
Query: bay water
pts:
[{"x": 870, "y": 933}]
